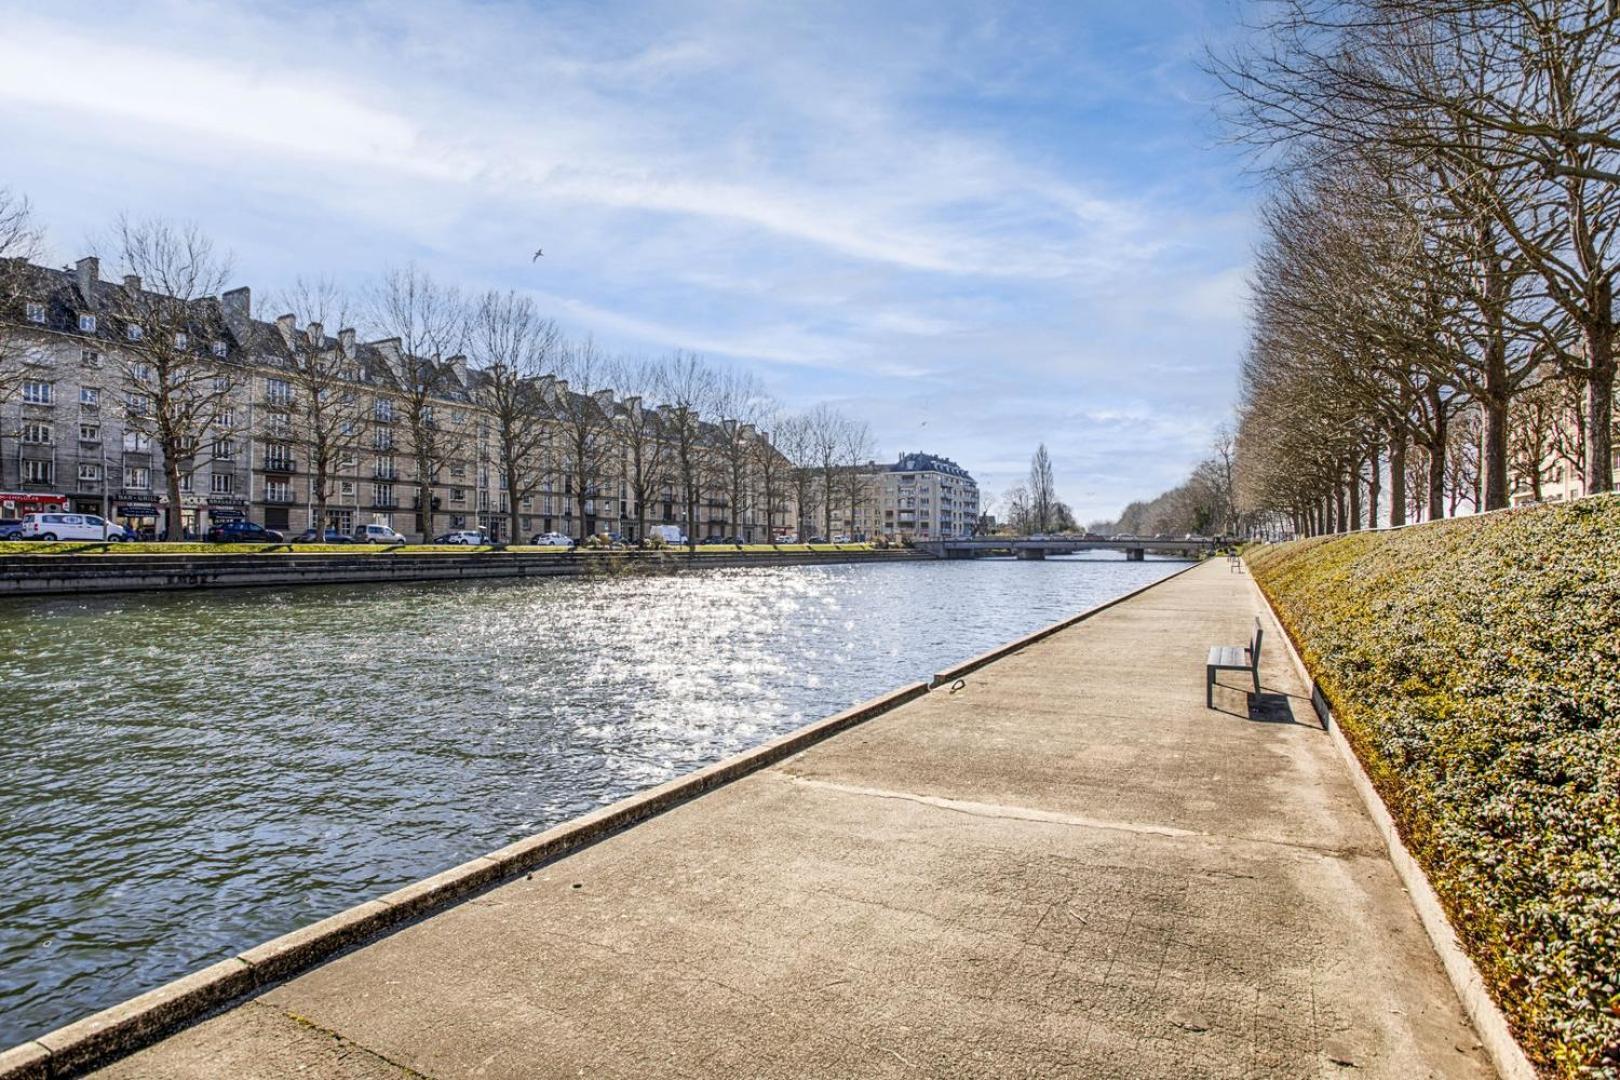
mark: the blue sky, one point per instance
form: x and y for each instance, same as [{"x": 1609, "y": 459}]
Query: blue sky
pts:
[{"x": 975, "y": 226}]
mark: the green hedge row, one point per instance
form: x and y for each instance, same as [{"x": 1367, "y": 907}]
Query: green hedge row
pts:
[{"x": 1474, "y": 666}]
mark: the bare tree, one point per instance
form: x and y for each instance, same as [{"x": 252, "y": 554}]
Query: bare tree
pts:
[
  {"x": 688, "y": 389},
  {"x": 584, "y": 408},
  {"x": 423, "y": 325},
  {"x": 21, "y": 243},
  {"x": 825, "y": 428},
  {"x": 168, "y": 313},
  {"x": 516, "y": 351},
  {"x": 642, "y": 440},
  {"x": 322, "y": 415},
  {"x": 855, "y": 454},
  {"x": 796, "y": 442},
  {"x": 1043, "y": 496},
  {"x": 740, "y": 401},
  {"x": 771, "y": 469}
]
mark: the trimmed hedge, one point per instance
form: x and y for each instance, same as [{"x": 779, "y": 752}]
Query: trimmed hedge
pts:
[{"x": 1474, "y": 666}]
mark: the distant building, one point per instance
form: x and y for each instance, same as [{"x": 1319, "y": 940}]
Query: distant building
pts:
[{"x": 919, "y": 497}]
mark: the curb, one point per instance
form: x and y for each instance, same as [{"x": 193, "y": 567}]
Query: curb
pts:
[
  {"x": 140, "y": 1021},
  {"x": 1490, "y": 1025},
  {"x": 956, "y": 671}
]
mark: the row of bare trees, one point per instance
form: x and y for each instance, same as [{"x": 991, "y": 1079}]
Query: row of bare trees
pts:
[
  {"x": 471, "y": 381},
  {"x": 1439, "y": 252}
]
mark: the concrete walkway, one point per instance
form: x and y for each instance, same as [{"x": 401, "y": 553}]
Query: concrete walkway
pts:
[{"x": 1068, "y": 868}]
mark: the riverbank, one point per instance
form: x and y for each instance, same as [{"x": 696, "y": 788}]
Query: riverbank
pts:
[
  {"x": 1064, "y": 866},
  {"x": 1474, "y": 667},
  {"x": 68, "y": 569}
]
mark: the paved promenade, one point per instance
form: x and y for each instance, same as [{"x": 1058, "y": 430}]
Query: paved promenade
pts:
[{"x": 1068, "y": 868}]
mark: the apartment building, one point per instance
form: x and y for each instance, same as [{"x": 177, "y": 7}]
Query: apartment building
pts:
[
  {"x": 75, "y": 432},
  {"x": 919, "y": 497}
]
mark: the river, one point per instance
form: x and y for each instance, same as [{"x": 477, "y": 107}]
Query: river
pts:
[{"x": 190, "y": 774}]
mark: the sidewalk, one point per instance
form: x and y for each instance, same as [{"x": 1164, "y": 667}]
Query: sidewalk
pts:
[{"x": 1068, "y": 868}]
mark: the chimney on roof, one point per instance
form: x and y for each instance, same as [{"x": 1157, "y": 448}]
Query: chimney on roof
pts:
[
  {"x": 132, "y": 282},
  {"x": 560, "y": 388},
  {"x": 632, "y": 405},
  {"x": 393, "y": 358},
  {"x": 317, "y": 335},
  {"x": 238, "y": 307},
  {"x": 458, "y": 367},
  {"x": 346, "y": 342},
  {"x": 87, "y": 271},
  {"x": 287, "y": 324},
  {"x": 604, "y": 399}
]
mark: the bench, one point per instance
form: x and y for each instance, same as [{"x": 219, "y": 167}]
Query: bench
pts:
[{"x": 1233, "y": 658}]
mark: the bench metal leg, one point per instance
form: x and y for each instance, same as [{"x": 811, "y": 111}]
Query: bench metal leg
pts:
[
  {"x": 1257, "y": 680},
  {"x": 1209, "y": 687}
]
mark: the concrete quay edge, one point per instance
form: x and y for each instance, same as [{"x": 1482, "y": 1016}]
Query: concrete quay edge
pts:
[
  {"x": 957, "y": 671},
  {"x": 138, "y": 1022},
  {"x": 1509, "y": 1058}
]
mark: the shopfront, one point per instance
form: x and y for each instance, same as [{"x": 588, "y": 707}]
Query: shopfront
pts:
[{"x": 15, "y": 504}]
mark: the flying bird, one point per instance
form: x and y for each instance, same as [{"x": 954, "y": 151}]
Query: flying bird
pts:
[{"x": 537, "y": 254}]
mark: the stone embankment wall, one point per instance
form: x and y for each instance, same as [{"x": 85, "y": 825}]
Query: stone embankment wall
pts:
[
  {"x": 42, "y": 575},
  {"x": 1474, "y": 667}
]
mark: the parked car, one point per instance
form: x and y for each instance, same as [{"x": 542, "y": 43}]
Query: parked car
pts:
[
  {"x": 377, "y": 534},
  {"x": 242, "y": 531},
  {"x": 11, "y": 528},
  {"x": 467, "y": 537},
  {"x": 786, "y": 538},
  {"x": 841, "y": 539},
  {"x": 330, "y": 536},
  {"x": 70, "y": 527},
  {"x": 552, "y": 539},
  {"x": 669, "y": 534}
]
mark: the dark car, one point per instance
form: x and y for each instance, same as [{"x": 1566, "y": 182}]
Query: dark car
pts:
[
  {"x": 331, "y": 536},
  {"x": 11, "y": 528},
  {"x": 242, "y": 532}
]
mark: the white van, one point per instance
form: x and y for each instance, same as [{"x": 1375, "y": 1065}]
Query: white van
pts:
[
  {"x": 376, "y": 534},
  {"x": 669, "y": 534},
  {"x": 71, "y": 527}
]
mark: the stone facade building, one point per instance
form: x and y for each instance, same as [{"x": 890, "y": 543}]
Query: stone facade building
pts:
[
  {"x": 919, "y": 497},
  {"x": 75, "y": 432}
]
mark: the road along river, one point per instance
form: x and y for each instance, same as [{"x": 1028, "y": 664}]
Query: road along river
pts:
[{"x": 189, "y": 774}]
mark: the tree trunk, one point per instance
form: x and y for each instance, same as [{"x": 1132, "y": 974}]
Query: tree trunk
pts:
[
  {"x": 1339, "y": 522},
  {"x": 1374, "y": 486},
  {"x": 512, "y": 507},
  {"x": 171, "y": 481},
  {"x": 424, "y": 504},
  {"x": 1599, "y": 409},
  {"x": 1437, "y": 481},
  {"x": 1493, "y": 453},
  {"x": 319, "y": 524},
  {"x": 1397, "y": 477},
  {"x": 1354, "y": 521}
]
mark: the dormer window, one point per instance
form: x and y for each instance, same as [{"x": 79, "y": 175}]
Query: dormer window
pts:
[
  {"x": 87, "y": 324},
  {"x": 133, "y": 332},
  {"x": 36, "y": 312},
  {"x": 219, "y": 349},
  {"x": 181, "y": 341}
]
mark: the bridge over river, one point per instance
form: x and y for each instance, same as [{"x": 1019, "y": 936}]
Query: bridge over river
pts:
[{"x": 1040, "y": 547}]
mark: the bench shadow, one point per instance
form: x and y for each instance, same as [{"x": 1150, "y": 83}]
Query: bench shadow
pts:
[{"x": 1269, "y": 707}]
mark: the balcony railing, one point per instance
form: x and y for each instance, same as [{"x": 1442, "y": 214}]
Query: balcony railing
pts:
[
  {"x": 278, "y": 498},
  {"x": 280, "y": 464}
]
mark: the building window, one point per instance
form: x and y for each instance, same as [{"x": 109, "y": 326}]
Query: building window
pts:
[
  {"x": 140, "y": 372},
  {"x": 346, "y": 488},
  {"x": 36, "y": 312},
  {"x": 221, "y": 483},
  {"x": 90, "y": 433},
  {"x": 89, "y": 474},
  {"x": 219, "y": 349},
  {"x": 382, "y": 438},
  {"x": 224, "y": 449},
  {"x": 278, "y": 391},
  {"x": 382, "y": 494},
  {"x": 181, "y": 340},
  {"x": 458, "y": 495},
  {"x": 383, "y": 411},
  {"x": 37, "y": 393},
  {"x": 38, "y": 472},
  {"x": 87, "y": 324},
  {"x": 137, "y": 404},
  {"x": 39, "y": 434},
  {"x": 222, "y": 383},
  {"x": 137, "y": 477},
  {"x": 278, "y": 456},
  {"x": 134, "y": 332},
  {"x": 226, "y": 419},
  {"x": 277, "y": 491},
  {"x": 89, "y": 358},
  {"x": 137, "y": 443},
  {"x": 185, "y": 482},
  {"x": 278, "y": 424}
]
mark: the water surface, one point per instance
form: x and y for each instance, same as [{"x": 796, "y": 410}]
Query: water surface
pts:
[{"x": 189, "y": 774}]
